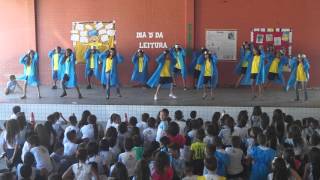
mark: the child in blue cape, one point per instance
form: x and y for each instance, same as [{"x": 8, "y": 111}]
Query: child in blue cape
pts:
[
  {"x": 54, "y": 56},
  {"x": 91, "y": 57},
  {"x": 180, "y": 67},
  {"x": 140, "y": 62}
]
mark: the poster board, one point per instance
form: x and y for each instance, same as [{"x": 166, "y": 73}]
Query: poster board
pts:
[
  {"x": 95, "y": 33},
  {"x": 280, "y": 38},
  {"x": 223, "y": 42}
]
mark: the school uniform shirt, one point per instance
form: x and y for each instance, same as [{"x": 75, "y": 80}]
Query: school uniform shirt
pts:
[
  {"x": 68, "y": 129},
  {"x": 301, "y": 74},
  {"x": 165, "y": 71},
  {"x": 42, "y": 157},
  {"x": 97, "y": 159},
  {"x": 226, "y": 135},
  {"x": 208, "y": 139},
  {"x": 242, "y": 131},
  {"x": 185, "y": 153},
  {"x": 107, "y": 158},
  {"x": 57, "y": 127},
  {"x": 222, "y": 161},
  {"x": 33, "y": 173},
  {"x": 182, "y": 125},
  {"x": 11, "y": 85},
  {"x": 26, "y": 148},
  {"x": 142, "y": 126},
  {"x": 235, "y": 156},
  {"x": 7, "y": 144},
  {"x": 87, "y": 131},
  {"x": 70, "y": 148},
  {"x": 198, "y": 149},
  {"x": 163, "y": 126},
  {"x": 192, "y": 134},
  {"x": 81, "y": 171},
  {"x": 129, "y": 160},
  {"x": 255, "y": 65},
  {"x": 149, "y": 134},
  {"x": 274, "y": 67}
]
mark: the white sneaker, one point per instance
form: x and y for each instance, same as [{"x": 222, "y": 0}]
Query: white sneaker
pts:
[
  {"x": 155, "y": 97},
  {"x": 172, "y": 96}
]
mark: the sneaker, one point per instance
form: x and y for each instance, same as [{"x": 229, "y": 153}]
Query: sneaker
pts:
[
  {"x": 23, "y": 97},
  {"x": 172, "y": 96},
  {"x": 185, "y": 89},
  {"x": 89, "y": 87},
  {"x": 54, "y": 87},
  {"x": 155, "y": 97},
  {"x": 80, "y": 96},
  {"x": 204, "y": 96},
  {"x": 63, "y": 94},
  {"x": 119, "y": 95}
]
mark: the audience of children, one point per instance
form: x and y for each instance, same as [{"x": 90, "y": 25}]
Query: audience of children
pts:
[{"x": 250, "y": 148}]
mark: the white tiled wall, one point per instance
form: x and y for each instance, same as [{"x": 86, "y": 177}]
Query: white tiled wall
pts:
[{"x": 102, "y": 112}]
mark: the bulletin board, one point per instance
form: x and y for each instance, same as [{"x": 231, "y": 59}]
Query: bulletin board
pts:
[
  {"x": 223, "y": 42},
  {"x": 280, "y": 38},
  {"x": 95, "y": 33}
]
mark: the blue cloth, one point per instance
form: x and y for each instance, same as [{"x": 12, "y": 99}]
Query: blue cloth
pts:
[
  {"x": 283, "y": 61},
  {"x": 262, "y": 158},
  {"x": 245, "y": 56},
  {"x": 114, "y": 79},
  {"x": 222, "y": 162},
  {"x": 181, "y": 57},
  {"x": 96, "y": 71},
  {"x": 50, "y": 55},
  {"x": 33, "y": 78},
  {"x": 214, "y": 70},
  {"x": 194, "y": 61},
  {"x": 71, "y": 69},
  {"x": 154, "y": 79},
  {"x": 141, "y": 77},
  {"x": 293, "y": 66}
]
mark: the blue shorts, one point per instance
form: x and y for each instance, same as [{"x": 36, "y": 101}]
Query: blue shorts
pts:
[{"x": 55, "y": 75}]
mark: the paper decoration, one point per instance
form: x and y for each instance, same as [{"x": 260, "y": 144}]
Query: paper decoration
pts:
[
  {"x": 256, "y": 29},
  {"x": 111, "y": 32},
  {"x": 80, "y": 27},
  {"x": 263, "y": 30},
  {"x": 285, "y": 36},
  {"x": 109, "y": 26},
  {"x": 102, "y": 31},
  {"x": 285, "y": 30},
  {"x": 290, "y": 37},
  {"x": 269, "y": 37},
  {"x": 277, "y": 41},
  {"x": 93, "y": 33},
  {"x": 75, "y": 37},
  {"x": 259, "y": 39},
  {"x": 99, "y": 25},
  {"x": 270, "y": 30},
  {"x": 88, "y": 27},
  {"x": 84, "y": 39},
  {"x": 74, "y": 31},
  {"x": 104, "y": 38},
  {"x": 84, "y": 33},
  {"x": 277, "y": 29}
]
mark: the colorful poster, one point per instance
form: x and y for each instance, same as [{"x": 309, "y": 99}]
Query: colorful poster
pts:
[{"x": 223, "y": 43}]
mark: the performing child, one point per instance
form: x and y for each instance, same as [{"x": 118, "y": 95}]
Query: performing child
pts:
[
  {"x": 180, "y": 67},
  {"x": 30, "y": 62},
  {"x": 54, "y": 56},
  {"x": 140, "y": 61},
  {"x": 195, "y": 67},
  {"x": 68, "y": 72},
  {"x": 257, "y": 71},
  {"x": 274, "y": 68},
  {"x": 242, "y": 67},
  {"x": 163, "y": 73},
  {"x": 109, "y": 77},
  {"x": 92, "y": 64}
]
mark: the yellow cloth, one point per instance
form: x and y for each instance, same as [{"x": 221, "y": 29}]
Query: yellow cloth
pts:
[
  {"x": 108, "y": 64},
  {"x": 91, "y": 61},
  {"x": 198, "y": 149},
  {"x": 28, "y": 70},
  {"x": 165, "y": 71},
  {"x": 245, "y": 63},
  {"x": 140, "y": 62},
  {"x": 301, "y": 74},
  {"x": 274, "y": 67},
  {"x": 198, "y": 67},
  {"x": 55, "y": 61},
  {"x": 204, "y": 178},
  {"x": 178, "y": 65},
  {"x": 255, "y": 65},
  {"x": 207, "y": 68}
]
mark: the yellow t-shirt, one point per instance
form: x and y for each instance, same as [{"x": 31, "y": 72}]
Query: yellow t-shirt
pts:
[
  {"x": 255, "y": 65},
  {"x": 216, "y": 177},
  {"x": 245, "y": 63},
  {"x": 91, "y": 61},
  {"x": 198, "y": 149},
  {"x": 55, "y": 61},
  {"x": 178, "y": 65},
  {"x": 28, "y": 70},
  {"x": 301, "y": 74},
  {"x": 198, "y": 67},
  {"x": 140, "y": 63},
  {"x": 274, "y": 67},
  {"x": 108, "y": 64},
  {"x": 165, "y": 71},
  {"x": 207, "y": 69}
]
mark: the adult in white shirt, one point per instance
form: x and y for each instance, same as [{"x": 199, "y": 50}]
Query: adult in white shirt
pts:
[{"x": 235, "y": 155}]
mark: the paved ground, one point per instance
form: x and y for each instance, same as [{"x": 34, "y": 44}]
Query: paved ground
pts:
[{"x": 140, "y": 96}]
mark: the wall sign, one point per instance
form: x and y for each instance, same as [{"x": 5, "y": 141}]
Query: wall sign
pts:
[{"x": 151, "y": 40}]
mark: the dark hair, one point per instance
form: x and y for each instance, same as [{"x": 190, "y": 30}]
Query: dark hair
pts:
[
  {"x": 119, "y": 172},
  {"x": 73, "y": 119},
  {"x": 92, "y": 148},
  {"x": 166, "y": 111},
  {"x": 289, "y": 157},
  {"x": 142, "y": 170},
  {"x": 137, "y": 142},
  {"x": 265, "y": 121},
  {"x": 243, "y": 118},
  {"x": 200, "y": 134},
  {"x": 21, "y": 118},
  {"x": 211, "y": 130},
  {"x": 188, "y": 140},
  {"x": 135, "y": 131},
  {"x": 280, "y": 170},
  {"x": 152, "y": 122},
  {"x": 33, "y": 140},
  {"x": 173, "y": 129},
  {"x": 216, "y": 116},
  {"x": 315, "y": 139},
  {"x": 145, "y": 117},
  {"x": 28, "y": 159},
  {"x": 314, "y": 156},
  {"x": 236, "y": 141},
  {"x": 257, "y": 111},
  {"x": 122, "y": 128},
  {"x": 51, "y": 118},
  {"x": 193, "y": 114},
  {"x": 111, "y": 135},
  {"x": 104, "y": 145},
  {"x": 178, "y": 115},
  {"x": 194, "y": 124},
  {"x": 133, "y": 121},
  {"x": 174, "y": 146},
  {"x": 92, "y": 119},
  {"x": 165, "y": 140},
  {"x": 162, "y": 161},
  {"x": 295, "y": 134},
  {"x": 84, "y": 117},
  {"x": 262, "y": 139},
  {"x": 210, "y": 163},
  {"x": 200, "y": 122},
  {"x": 82, "y": 154},
  {"x": 16, "y": 109},
  {"x": 188, "y": 166},
  {"x": 71, "y": 134},
  {"x": 278, "y": 123},
  {"x": 26, "y": 171},
  {"x": 230, "y": 124},
  {"x": 211, "y": 148},
  {"x": 128, "y": 144}
]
